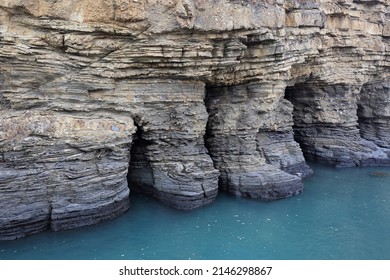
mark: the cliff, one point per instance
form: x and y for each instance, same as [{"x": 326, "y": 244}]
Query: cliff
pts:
[{"x": 180, "y": 98}]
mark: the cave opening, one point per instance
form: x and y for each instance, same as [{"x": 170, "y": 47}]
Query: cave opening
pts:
[
  {"x": 373, "y": 113},
  {"x": 217, "y": 103},
  {"x": 325, "y": 118},
  {"x": 242, "y": 137},
  {"x": 362, "y": 121},
  {"x": 208, "y": 131},
  {"x": 298, "y": 96},
  {"x": 371, "y": 107},
  {"x": 140, "y": 173},
  {"x": 209, "y": 136}
]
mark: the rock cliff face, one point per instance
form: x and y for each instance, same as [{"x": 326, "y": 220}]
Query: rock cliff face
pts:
[{"x": 180, "y": 98}]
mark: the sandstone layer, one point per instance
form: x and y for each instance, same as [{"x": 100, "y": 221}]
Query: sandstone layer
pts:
[{"x": 181, "y": 98}]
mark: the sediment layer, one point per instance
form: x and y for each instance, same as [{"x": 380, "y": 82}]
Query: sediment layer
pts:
[{"x": 181, "y": 98}]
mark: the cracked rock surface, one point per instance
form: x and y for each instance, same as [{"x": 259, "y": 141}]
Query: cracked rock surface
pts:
[{"x": 180, "y": 99}]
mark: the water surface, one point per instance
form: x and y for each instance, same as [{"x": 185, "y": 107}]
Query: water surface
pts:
[{"x": 342, "y": 214}]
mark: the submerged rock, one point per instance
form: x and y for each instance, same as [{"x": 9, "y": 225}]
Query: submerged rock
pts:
[
  {"x": 181, "y": 98},
  {"x": 379, "y": 174}
]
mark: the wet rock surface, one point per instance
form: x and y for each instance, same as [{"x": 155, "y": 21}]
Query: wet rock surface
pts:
[{"x": 181, "y": 98}]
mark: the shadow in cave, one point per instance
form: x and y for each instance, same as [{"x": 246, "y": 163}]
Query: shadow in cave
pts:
[
  {"x": 294, "y": 95},
  {"x": 209, "y": 136},
  {"x": 140, "y": 174}
]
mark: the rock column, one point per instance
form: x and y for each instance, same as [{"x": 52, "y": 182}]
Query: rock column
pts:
[
  {"x": 171, "y": 162},
  {"x": 242, "y": 120},
  {"x": 374, "y": 113}
]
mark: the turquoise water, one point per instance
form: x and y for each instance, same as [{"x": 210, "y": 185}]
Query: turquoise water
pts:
[{"x": 342, "y": 214}]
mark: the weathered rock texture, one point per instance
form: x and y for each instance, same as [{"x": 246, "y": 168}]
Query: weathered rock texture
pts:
[{"x": 177, "y": 98}]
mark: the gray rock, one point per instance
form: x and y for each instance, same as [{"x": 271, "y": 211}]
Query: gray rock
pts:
[{"x": 180, "y": 98}]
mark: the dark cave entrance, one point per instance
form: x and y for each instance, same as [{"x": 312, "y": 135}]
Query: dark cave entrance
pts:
[
  {"x": 300, "y": 95},
  {"x": 370, "y": 111},
  {"x": 140, "y": 173},
  {"x": 214, "y": 95},
  {"x": 326, "y": 122},
  {"x": 208, "y": 135}
]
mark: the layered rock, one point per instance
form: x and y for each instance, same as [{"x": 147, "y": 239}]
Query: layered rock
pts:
[
  {"x": 170, "y": 159},
  {"x": 177, "y": 98},
  {"x": 326, "y": 125},
  {"x": 244, "y": 120},
  {"x": 61, "y": 170},
  {"x": 79, "y": 176},
  {"x": 330, "y": 86},
  {"x": 374, "y": 113}
]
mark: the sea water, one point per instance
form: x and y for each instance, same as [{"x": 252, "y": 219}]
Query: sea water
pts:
[{"x": 342, "y": 214}]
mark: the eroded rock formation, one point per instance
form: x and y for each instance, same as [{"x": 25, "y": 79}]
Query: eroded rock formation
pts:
[{"x": 179, "y": 98}]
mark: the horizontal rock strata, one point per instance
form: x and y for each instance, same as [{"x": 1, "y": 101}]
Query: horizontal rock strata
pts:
[
  {"x": 326, "y": 125},
  {"x": 179, "y": 98},
  {"x": 243, "y": 122},
  {"x": 61, "y": 170}
]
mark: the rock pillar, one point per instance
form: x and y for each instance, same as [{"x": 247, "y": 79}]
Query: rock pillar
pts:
[
  {"x": 243, "y": 120},
  {"x": 374, "y": 113},
  {"x": 171, "y": 162}
]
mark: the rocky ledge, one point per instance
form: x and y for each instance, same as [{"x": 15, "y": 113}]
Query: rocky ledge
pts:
[{"x": 180, "y": 99}]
